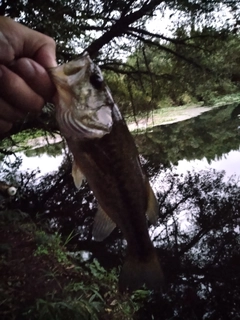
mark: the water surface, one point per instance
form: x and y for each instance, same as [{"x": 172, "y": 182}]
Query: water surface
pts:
[{"x": 197, "y": 234}]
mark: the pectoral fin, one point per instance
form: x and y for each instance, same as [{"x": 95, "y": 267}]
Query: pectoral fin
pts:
[
  {"x": 78, "y": 176},
  {"x": 102, "y": 226},
  {"x": 153, "y": 207}
]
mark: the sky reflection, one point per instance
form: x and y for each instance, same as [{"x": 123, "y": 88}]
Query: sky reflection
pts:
[{"x": 229, "y": 162}]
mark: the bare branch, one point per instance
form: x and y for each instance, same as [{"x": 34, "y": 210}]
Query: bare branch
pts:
[
  {"x": 133, "y": 72},
  {"x": 121, "y": 26},
  {"x": 164, "y": 48}
]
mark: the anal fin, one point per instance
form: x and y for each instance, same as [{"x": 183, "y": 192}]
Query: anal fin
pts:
[{"x": 103, "y": 225}]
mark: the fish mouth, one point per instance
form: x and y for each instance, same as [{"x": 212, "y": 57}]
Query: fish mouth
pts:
[
  {"x": 84, "y": 110},
  {"x": 70, "y": 68},
  {"x": 89, "y": 126},
  {"x": 59, "y": 78},
  {"x": 64, "y": 75}
]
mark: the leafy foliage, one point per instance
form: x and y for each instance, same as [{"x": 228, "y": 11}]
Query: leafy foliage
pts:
[
  {"x": 210, "y": 135},
  {"x": 53, "y": 285},
  {"x": 197, "y": 237},
  {"x": 196, "y": 58}
]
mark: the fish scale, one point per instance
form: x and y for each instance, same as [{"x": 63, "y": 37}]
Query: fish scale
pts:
[{"x": 105, "y": 153}]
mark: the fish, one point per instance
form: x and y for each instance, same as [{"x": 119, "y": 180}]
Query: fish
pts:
[{"x": 105, "y": 154}]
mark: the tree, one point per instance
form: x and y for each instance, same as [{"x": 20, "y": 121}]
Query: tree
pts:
[
  {"x": 112, "y": 30},
  {"x": 197, "y": 237}
]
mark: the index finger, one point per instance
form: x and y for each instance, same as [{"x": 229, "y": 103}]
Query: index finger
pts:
[
  {"x": 24, "y": 42},
  {"x": 40, "y": 48}
]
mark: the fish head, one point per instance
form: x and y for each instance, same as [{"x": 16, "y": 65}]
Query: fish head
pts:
[{"x": 84, "y": 104}]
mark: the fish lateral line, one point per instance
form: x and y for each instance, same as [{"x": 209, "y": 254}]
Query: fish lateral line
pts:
[{"x": 105, "y": 153}]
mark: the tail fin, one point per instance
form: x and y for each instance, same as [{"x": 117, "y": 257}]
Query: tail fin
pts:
[{"x": 137, "y": 272}]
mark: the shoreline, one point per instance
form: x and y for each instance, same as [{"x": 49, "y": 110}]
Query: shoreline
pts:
[
  {"x": 163, "y": 116},
  {"x": 168, "y": 116}
]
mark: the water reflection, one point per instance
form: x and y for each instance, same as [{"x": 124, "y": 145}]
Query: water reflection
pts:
[
  {"x": 197, "y": 236},
  {"x": 210, "y": 140},
  {"x": 228, "y": 162},
  {"x": 53, "y": 150},
  {"x": 211, "y": 135},
  {"x": 44, "y": 162},
  {"x": 200, "y": 261}
]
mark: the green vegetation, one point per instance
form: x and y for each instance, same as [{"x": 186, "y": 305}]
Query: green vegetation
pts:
[
  {"x": 165, "y": 79},
  {"x": 193, "y": 59},
  {"x": 210, "y": 135},
  {"x": 40, "y": 280},
  {"x": 43, "y": 276},
  {"x": 171, "y": 114},
  {"x": 52, "y": 149},
  {"x": 23, "y": 137},
  {"x": 23, "y": 140}
]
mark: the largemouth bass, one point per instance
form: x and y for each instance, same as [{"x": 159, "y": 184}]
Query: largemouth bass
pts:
[{"x": 105, "y": 154}]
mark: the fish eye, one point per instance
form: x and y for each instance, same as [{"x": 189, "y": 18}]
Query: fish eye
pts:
[{"x": 96, "y": 81}]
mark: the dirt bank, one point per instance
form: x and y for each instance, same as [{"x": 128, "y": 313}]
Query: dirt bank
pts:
[{"x": 168, "y": 115}]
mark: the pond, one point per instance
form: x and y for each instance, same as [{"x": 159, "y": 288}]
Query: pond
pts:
[
  {"x": 197, "y": 235},
  {"x": 210, "y": 140}
]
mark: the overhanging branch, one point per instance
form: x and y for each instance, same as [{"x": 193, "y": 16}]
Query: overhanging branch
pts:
[
  {"x": 121, "y": 26},
  {"x": 169, "y": 50}
]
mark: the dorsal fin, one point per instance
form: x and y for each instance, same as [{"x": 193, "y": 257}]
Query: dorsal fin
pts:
[
  {"x": 102, "y": 226},
  {"x": 77, "y": 174},
  {"x": 153, "y": 207}
]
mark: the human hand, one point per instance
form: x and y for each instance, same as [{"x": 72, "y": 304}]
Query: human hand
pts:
[{"x": 25, "y": 85}]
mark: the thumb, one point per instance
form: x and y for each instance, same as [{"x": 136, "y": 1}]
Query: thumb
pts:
[{"x": 46, "y": 54}]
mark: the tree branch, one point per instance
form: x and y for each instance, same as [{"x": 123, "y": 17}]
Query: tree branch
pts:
[
  {"x": 121, "y": 26},
  {"x": 158, "y": 45},
  {"x": 133, "y": 72}
]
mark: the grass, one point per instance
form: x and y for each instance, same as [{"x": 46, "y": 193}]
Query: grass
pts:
[
  {"x": 40, "y": 280},
  {"x": 229, "y": 98},
  {"x": 176, "y": 113}
]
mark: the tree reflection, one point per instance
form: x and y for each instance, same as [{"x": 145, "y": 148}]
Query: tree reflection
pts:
[
  {"x": 53, "y": 150},
  {"x": 209, "y": 135},
  {"x": 197, "y": 236},
  {"x": 198, "y": 244}
]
